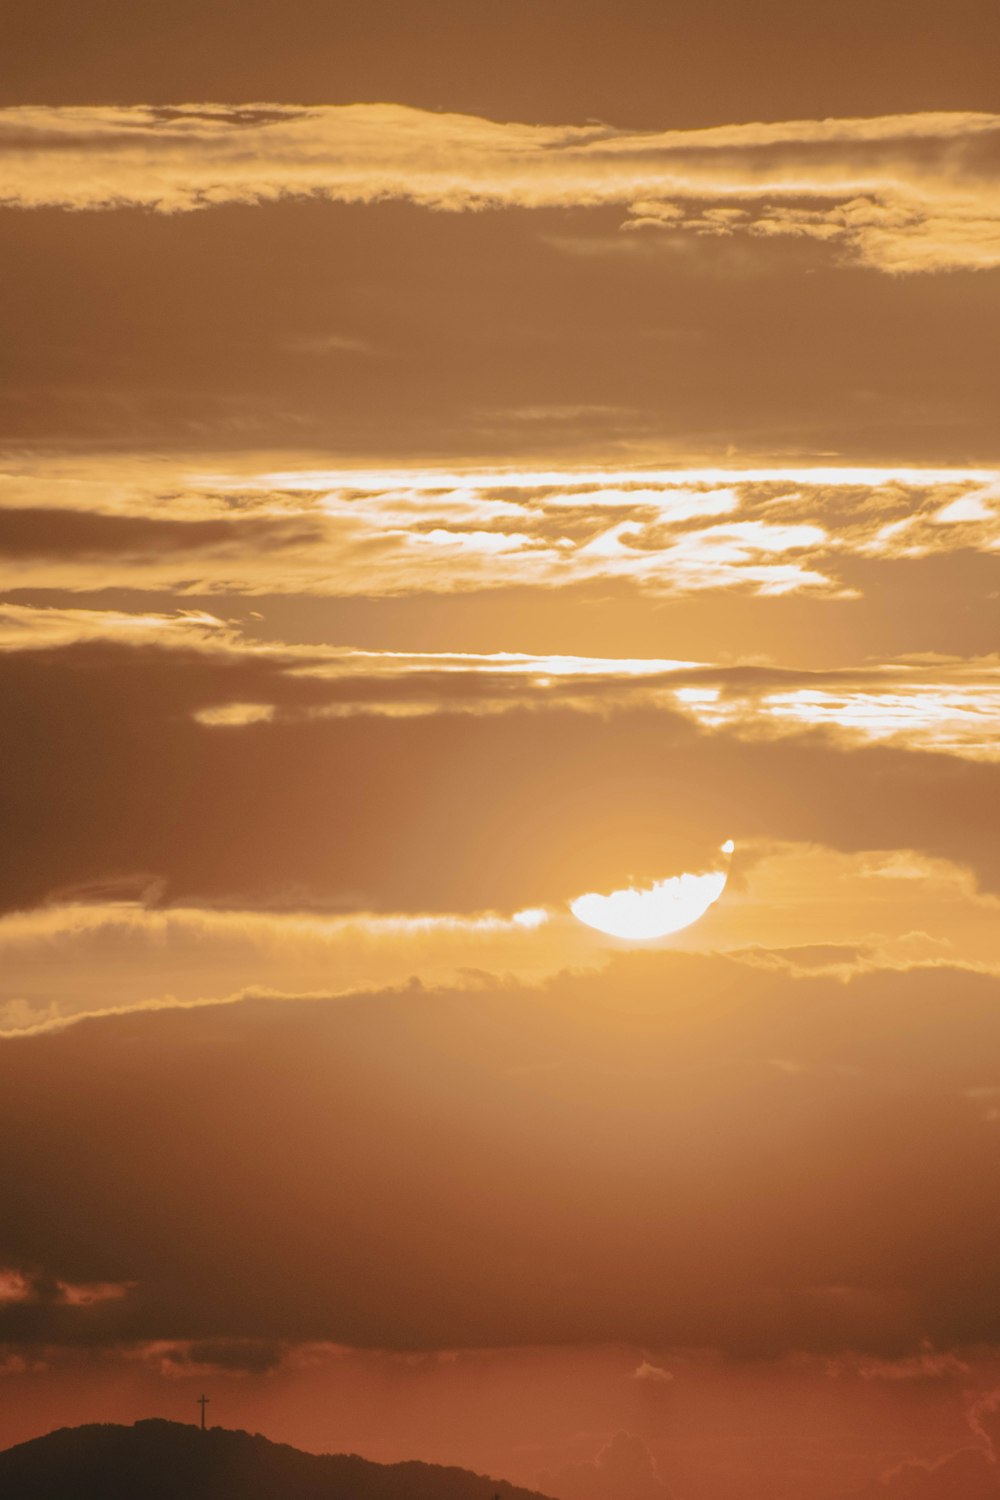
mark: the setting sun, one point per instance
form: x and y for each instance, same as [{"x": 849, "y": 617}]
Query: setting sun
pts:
[{"x": 639, "y": 914}]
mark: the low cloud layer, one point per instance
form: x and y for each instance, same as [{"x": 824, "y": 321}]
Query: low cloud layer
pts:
[{"x": 499, "y": 1165}]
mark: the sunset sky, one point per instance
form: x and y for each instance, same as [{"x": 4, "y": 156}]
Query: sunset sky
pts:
[{"x": 476, "y": 481}]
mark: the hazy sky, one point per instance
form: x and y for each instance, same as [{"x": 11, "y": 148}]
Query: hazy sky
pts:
[{"x": 454, "y": 462}]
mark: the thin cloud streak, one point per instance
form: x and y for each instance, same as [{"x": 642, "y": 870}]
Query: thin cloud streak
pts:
[
  {"x": 769, "y": 533},
  {"x": 901, "y": 193},
  {"x": 940, "y": 704}
]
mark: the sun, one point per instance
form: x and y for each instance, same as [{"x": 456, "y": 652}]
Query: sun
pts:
[{"x": 639, "y": 914}]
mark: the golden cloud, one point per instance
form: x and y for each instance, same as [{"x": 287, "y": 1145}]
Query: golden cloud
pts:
[
  {"x": 766, "y": 532},
  {"x": 901, "y": 193}
]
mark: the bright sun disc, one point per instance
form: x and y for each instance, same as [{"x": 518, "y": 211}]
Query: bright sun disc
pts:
[{"x": 653, "y": 912}]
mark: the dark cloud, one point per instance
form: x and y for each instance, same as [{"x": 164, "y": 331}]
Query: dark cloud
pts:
[
  {"x": 61, "y": 534},
  {"x": 199, "y": 331},
  {"x": 696, "y": 62},
  {"x": 107, "y": 777},
  {"x": 224, "y": 1356},
  {"x": 506, "y": 1165}
]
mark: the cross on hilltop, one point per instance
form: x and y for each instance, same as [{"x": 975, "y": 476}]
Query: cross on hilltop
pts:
[{"x": 202, "y": 1401}]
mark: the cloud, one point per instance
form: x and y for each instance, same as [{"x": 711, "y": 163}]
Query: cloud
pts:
[
  {"x": 25, "y": 627},
  {"x": 35, "y": 1304},
  {"x": 71, "y": 959},
  {"x": 577, "y": 787},
  {"x": 650, "y": 1374},
  {"x": 506, "y": 1165},
  {"x": 183, "y": 1360},
  {"x": 926, "y": 1366},
  {"x": 485, "y": 323},
  {"x": 901, "y": 193},
  {"x": 52, "y": 535},
  {"x": 623, "y": 1470},
  {"x": 923, "y": 702},
  {"x": 968, "y": 1474},
  {"x": 767, "y": 533}
]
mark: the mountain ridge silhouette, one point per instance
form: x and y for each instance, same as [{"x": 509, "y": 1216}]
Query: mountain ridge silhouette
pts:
[{"x": 155, "y": 1459}]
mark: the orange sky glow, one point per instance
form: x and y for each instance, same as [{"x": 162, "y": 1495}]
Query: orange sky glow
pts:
[{"x": 500, "y": 777}]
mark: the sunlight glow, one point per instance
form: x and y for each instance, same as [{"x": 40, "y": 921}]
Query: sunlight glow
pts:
[
  {"x": 532, "y": 916},
  {"x": 653, "y": 912}
]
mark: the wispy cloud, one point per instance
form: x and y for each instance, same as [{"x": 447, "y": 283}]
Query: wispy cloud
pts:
[
  {"x": 935, "y": 703},
  {"x": 901, "y": 192},
  {"x": 667, "y": 532}
]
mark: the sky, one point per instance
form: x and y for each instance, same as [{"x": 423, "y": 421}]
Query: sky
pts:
[{"x": 500, "y": 657}]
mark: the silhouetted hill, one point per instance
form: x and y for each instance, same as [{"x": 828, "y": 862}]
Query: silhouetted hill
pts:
[{"x": 157, "y": 1460}]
